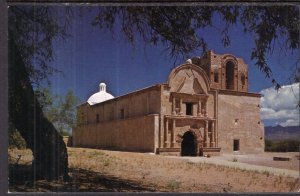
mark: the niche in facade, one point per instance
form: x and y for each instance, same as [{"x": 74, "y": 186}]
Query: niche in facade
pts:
[{"x": 189, "y": 109}]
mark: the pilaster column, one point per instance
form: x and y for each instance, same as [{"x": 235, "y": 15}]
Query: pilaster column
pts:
[
  {"x": 173, "y": 134},
  {"x": 166, "y": 133},
  {"x": 206, "y": 134},
  {"x": 199, "y": 107},
  {"x": 213, "y": 143},
  {"x": 180, "y": 106},
  {"x": 203, "y": 107},
  {"x": 173, "y": 106},
  {"x": 217, "y": 137}
]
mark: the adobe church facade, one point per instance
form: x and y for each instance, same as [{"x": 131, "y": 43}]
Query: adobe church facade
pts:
[{"x": 203, "y": 108}]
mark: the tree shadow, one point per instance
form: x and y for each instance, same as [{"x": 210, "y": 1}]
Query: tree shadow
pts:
[{"x": 21, "y": 179}]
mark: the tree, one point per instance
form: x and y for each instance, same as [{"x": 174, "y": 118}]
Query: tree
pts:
[
  {"x": 65, "y": 117},
  {"x": 15, "y": 140},
  {"x": 26, "y": 115},
  {"x": 60, "y": 110},
  {"x": 33, "y": 29},
  {"x": 177, "y": 28},
  {"x": 31, "y": 32}
]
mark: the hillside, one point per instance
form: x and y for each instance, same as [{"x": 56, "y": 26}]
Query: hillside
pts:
[{"x": 279, "y": 133}]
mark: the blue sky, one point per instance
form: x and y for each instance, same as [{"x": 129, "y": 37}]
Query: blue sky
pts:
[{"x": 92, "y": 56}]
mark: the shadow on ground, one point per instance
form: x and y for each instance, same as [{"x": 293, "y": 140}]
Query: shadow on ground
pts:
[{"x": 21, "y": 180}]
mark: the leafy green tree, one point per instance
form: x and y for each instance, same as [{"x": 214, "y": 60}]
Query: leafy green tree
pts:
[
  {"x": 65, "y": 119},
  {"x": 282, "y": 146},
  {"x": 15, "y": 140},
  {"x": 59, "y": 109}
]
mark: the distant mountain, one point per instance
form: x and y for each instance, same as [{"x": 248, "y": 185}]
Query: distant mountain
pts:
[{"x": 279, "y": 133}]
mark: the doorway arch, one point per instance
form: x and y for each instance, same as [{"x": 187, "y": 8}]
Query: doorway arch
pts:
[{"x": 189, "y": 144}]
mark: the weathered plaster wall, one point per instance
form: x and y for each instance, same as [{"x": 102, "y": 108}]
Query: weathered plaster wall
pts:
[
  {"x": 144, "y": 102},
  {"x": 134, "y": 134},
  {"x": 248, "y": 128}
]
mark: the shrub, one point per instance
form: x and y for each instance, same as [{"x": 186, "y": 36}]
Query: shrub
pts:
[
  {"x": 15, "y": 140},
  {"x": 173, "y": 184},
  {"x": 282, "y": 146},
  {"x": 234, "y": 159}
]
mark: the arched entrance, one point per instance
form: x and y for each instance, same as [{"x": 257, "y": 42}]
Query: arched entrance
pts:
[
  {"x": 230, "y": 75},
  {"x": 189, "y": 144}
]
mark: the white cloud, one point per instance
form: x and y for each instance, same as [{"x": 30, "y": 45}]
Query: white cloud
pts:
[
  {"x": 290, "y": 122},
  {"x": 271, "y": 114},
  {"x": 281, "y": 105}
]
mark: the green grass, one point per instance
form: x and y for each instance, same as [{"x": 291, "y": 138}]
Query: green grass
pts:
[
  {"x": 234, "y": 159},
  {"x": 173, "y": 185}
]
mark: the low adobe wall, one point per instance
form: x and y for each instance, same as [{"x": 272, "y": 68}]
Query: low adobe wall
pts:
[{"x": 138, "y": 134}]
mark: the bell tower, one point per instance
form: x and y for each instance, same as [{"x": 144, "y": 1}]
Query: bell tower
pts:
[{"x": 225, "y": 71}]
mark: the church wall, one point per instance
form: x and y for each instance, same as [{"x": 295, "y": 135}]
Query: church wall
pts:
[
  {"x": 132, "y": 134},
  {"x": 239, "y": 119},
  {"x": 210, "y": 106},
  {"x": 142, "y": 103},
  {"x": 137, "y": 121},
  {"x": 166, "y": 102},
  {"x": 215, "y": 62},
  {"x": 243, "y": 70}
]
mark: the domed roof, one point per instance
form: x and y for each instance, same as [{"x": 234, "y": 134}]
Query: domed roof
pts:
[{"x": 100, "y": 96}]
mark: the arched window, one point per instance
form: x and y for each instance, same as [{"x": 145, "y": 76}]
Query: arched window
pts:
[
  {"x": 230, "y": 75},
  {"x": 243, "y": 79},
  {"x": 216, "y": 76}
]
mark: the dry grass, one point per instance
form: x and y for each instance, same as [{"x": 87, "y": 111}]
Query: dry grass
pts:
[{"x": 101, "y": 170}]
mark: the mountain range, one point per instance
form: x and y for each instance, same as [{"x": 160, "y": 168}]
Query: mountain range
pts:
[{"x": 279, "y": 133}]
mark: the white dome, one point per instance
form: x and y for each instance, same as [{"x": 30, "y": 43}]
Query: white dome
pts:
[{"x": 100, "y": 96}]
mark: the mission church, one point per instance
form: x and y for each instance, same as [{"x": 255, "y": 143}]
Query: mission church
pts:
[{"x": 204, "y": 108}]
